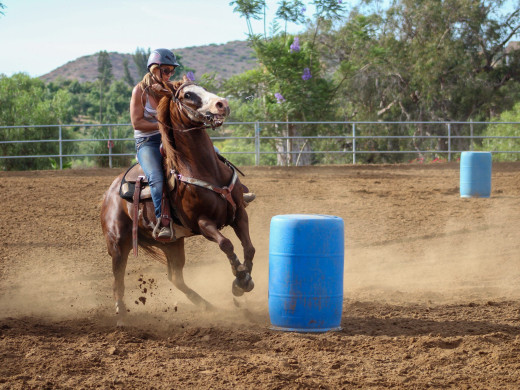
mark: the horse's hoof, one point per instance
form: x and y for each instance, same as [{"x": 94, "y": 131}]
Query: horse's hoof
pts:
[
  {"x": 240, "y": 286},
  {"x": 236, "y": 290},
  {"x": 120, "y": 308},
  {"x": 247, "y": 285}
]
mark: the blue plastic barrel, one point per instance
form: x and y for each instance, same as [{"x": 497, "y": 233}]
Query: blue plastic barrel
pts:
[
  {"x": 306, "y": 255},
  {"x": 475, "y": 174}
]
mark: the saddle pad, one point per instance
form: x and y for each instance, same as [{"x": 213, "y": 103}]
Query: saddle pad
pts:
[{"x": 127, "y": 189}]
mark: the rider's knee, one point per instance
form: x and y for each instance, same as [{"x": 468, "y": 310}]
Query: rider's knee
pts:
[{"x": 155, "y": 178}]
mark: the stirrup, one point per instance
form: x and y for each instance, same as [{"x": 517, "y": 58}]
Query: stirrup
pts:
[{"x": 157, "y": 229}]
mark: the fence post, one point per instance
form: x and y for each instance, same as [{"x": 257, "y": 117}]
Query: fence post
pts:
[
  {"x": 449, "y": 141},
  {"x": 353, "y": 143},
  {"x": 257, "y": 143},
  {"x": 61, "y": 148},
  {"x": 110, "y": 146}
]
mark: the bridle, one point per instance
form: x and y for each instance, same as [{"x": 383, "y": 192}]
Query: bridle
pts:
[
  {"x": 207, "y": 120},
  {"x": 204, "y": 118}
]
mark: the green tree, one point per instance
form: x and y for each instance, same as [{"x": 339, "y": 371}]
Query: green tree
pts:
[
  {"x": 25, "y": 100},
  {"x": 104, "y": 77},
  {"x": 141, "y": 60},
  {"x": 290, "y": 11},
  {"x": 293, "y": 85},
  {"x": 128, "y": 77},
  {"x": 425, "y": 61},
  {"x": 504, "y": 130},
  {"x": 249, "y": 9}
]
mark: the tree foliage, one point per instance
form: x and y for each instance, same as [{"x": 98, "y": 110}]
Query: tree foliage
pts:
[
  {"x": 428, "y": 60},
  {"x": 105, "y": 77},
  {"x": 504, "y": 130},
  {"x": 25, "y": 100},
  {"x": 141, "y": 60},
  {"x": 422, "y": 60},
  {"x": 249, "y": 9}
]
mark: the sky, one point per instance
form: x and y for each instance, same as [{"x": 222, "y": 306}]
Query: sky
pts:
[{"x": 38, "y": 36}]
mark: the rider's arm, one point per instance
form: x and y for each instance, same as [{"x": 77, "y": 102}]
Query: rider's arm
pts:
[{"x": 137, "y": 112}]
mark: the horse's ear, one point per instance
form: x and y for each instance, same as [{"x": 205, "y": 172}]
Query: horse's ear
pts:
[{"x": 185, "y": 79}]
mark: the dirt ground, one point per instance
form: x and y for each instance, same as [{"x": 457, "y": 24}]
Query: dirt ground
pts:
[{"x": 431, "y": 288}]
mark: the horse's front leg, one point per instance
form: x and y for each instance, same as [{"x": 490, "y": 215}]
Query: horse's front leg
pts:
[
  {"x": 241, "y": 228},
  {"x": 243, "y": 282}
]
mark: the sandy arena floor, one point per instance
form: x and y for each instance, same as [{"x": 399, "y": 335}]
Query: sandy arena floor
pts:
[{"x": 431, "y": 300}]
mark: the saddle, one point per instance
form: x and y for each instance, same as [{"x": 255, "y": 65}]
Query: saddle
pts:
[
  {"x": 135, "y": 188},
  {"x": 127, "y": 187}
]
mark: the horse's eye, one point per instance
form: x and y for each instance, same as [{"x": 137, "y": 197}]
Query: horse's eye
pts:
[{"x": 187, "y": 95}]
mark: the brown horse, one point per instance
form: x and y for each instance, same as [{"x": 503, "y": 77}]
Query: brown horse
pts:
[{"x": 206, "y": 197}]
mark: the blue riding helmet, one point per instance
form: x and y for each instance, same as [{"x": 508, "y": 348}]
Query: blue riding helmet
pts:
[{"x": 162, "y": 57}]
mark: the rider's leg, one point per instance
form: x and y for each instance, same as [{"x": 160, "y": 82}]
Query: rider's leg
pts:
[{"x": 150, "y": 158}]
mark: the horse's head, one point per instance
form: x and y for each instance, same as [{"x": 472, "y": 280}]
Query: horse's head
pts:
[
  {"x": 199, "y": 105},
  {"x": 186, "y": 106}
]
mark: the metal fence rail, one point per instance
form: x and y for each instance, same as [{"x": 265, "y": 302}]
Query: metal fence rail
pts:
[{"x": 285, "y": 141}]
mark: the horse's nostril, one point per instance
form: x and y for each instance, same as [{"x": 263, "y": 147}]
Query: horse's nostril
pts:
[{"x": 220, "y": 105}]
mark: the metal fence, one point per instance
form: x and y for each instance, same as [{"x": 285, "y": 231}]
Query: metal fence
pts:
[{"x": 269, "y": 143}]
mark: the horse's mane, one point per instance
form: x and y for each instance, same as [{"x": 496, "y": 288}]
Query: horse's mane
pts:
[{"x": 169, "y": 118}]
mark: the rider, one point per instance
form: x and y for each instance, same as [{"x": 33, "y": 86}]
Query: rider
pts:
[{"x": 143, "y": 111}]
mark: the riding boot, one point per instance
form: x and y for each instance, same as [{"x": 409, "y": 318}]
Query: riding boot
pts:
[
  {"x": 248, "y": 196},
  {"x": 165, "y": 232}
]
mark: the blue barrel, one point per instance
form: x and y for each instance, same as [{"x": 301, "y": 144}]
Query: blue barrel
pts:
[
  {"x": 306, "y": 255},
  {"x": 475, "y": 174}
]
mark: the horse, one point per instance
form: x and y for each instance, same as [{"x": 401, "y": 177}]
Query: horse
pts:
[{"x": 206, "y": 196}]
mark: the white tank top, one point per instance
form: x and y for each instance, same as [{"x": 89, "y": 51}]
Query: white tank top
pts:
[{"x": 150, "y": 115}]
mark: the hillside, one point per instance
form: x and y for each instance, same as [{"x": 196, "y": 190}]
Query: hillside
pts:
[{"x": 225, "y": 60}]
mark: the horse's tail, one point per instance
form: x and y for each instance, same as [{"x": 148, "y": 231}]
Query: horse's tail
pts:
[{"x": 148, "y": 247}]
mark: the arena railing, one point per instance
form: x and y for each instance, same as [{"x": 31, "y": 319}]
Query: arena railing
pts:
[{"x": 287, "y": 143}]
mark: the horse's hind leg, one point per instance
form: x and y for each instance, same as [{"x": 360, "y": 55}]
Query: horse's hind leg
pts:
[
  {"x": 117, "y": 229},
  {"x": 119, "y": 253},
  {"x": 243, "y": 282},
  {"x": 176, "y": 259}
]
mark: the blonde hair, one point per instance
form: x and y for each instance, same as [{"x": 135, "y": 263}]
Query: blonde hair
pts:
[{"x": 147, "y": 82}]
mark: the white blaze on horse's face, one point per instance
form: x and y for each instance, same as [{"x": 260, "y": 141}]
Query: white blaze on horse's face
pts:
[{"x": 206, "y": 102}]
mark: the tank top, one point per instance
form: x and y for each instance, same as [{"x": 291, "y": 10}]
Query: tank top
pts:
[{"x": 149, "y": 115}]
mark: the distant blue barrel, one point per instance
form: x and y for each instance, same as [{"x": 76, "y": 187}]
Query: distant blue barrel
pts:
[
  {"x": 475, "y": 174},
  {"x": 306, "y": 255}
]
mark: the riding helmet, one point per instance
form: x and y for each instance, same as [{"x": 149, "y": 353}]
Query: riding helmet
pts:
[{"x": 162, "y": 57}]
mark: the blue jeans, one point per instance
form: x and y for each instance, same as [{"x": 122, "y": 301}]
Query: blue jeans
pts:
[{"x": 150, "y": 158}]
